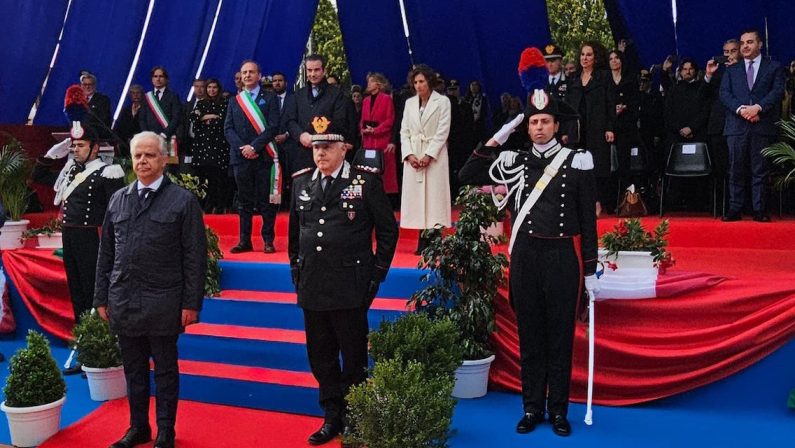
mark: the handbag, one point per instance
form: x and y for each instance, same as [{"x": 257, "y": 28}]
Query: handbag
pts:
[{"x": 632, "y": 205}]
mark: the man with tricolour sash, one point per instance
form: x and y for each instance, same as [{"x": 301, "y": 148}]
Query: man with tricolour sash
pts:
[
  {"x": 252, "y": 122},
  {"x": 162, "y": 112}
]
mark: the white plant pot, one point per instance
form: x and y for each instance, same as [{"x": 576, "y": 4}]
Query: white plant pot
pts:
[
  {"x": 106, "y": 384},
  {"x": 33, "y": 425},
  {"x": 472, "y": 378},
  {"x": 11, "y": 234},
  {"x": 630, "y": 262},
  {"x": 54, "y": 241}
]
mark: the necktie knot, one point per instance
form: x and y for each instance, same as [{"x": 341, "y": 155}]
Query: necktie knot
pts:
[
  {"x": 327, "y": 180},
  {"x": 143, "y": 193}
]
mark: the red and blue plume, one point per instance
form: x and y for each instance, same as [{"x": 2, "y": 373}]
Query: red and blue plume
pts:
[
  {"x": 533, "y": 70},
  {"x": 75, "y": 103}
]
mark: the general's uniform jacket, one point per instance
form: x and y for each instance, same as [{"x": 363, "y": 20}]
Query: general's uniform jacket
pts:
[
  {"x": 86, "y": 204},
  {"x": 565, "y": 208},
  {"x": 560, "y": 88},
  {"x": 330, "y": 240},
  {"x": 152, "y": 260}
]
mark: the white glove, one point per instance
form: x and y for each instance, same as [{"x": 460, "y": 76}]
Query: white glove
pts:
[
  {"x": 59, "y": 150},
  {"x": 507, "y": 129},
  {"x": 592, "y": 284}
]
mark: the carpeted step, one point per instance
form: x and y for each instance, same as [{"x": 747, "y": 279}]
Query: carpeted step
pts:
[
  {"x": 276, "y": 314},
  {"x": 400, "y": 282},
  {"x": 251, "y": 387},
  {"x": 245, "y": 346}
]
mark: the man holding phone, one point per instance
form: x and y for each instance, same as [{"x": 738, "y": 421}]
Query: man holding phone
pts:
[{"x": 718, "y": 149}]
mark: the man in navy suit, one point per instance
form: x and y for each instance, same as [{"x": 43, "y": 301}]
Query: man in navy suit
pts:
[
  {"x": 252, "y": 121},
  {"x": 162, "y": 111},
  {"x": 752, "y": 93}
]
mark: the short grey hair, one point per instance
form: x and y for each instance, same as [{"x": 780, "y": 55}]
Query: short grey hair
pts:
[
  {"x": 90, "y": 77},
  {"x": 148, "y": 135}
]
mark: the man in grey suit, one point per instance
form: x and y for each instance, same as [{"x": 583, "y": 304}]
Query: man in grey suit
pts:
[{"x": 752, "y": 93}]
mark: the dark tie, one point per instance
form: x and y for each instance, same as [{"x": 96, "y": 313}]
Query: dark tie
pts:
[
  {"x": 325, "y": 184},
  {"x": 157, "y": 94},
  {"x": 143, "y": 194},
  {"x": 750, "y": 75}
]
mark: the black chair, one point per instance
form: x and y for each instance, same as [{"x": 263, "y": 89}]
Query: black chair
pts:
[{"x": 688, "y": 160}]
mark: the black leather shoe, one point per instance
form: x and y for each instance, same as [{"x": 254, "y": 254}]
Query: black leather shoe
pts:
[
  {"x": 325, "y": 434},
  {"x": 134, "y": 436},
  {"x": 560, "y": 425},
  {"x": 269, "y": 248},
  {"x": 74, "y": 370},
  {"x": 731, "y": 217},
  {"x": 529, "y": 422},
  {"x": 241, "y": 248},
  {"x": 165, "y": 438},
  {"x": 761, "y": 217}
]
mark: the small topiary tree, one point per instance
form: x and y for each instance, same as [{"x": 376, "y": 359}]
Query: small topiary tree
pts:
[
  {"x": 415, "y": 337},
  {"x": 401, "y": 406},
  {"x": 35, "y": 378},
  {"x": 96, "y": 345}
]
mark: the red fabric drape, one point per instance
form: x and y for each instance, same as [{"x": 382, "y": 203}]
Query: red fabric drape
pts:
[
  {"x": 653, "y": 348},
  {"x": 40, "y": 279}
]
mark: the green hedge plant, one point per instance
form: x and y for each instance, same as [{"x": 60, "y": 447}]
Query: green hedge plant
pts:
[
  {"x": 35, "y": 378},
  {"x": 415, "y": 337},
  {"x": 401, "y": 406},
  {"x": 96, "y": 345}
]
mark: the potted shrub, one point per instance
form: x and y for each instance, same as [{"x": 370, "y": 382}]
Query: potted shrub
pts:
[
  {"x": 15, "y": 169},
  {"x": 433, "y": 343},
  {"x": 35, "y": 393},
  {"x": 99, "y": 354},
  {"x": 782, "y": 154},
  {"x": 629, "y": 245},
  {"x": 400, "y": 406},
  {"x": 48, "y": 236},
  {"x": 212, "y": 283},
  {"x": 462, "y": 280}
]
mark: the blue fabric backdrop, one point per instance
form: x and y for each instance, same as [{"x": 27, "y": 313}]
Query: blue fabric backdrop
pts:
[
  {"x": 100, "y": 36},
  {"x": 649, "y": 24},
  {"x": 372, "y": 31},
  {"x": 702, "y": 26},
  {"x": 503, "y": 29},
  {"x": 175, "y": 39},
  {"x": 30, "y": 33},
  {"x": 272, "y": 32},
  {"x": 471, "y": 39},
  {"x": 283, "y": 36},
  {"x": 781, "y": 31}
]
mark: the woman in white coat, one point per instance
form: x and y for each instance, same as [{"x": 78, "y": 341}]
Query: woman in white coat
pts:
[{"x": 425, "y": 201}]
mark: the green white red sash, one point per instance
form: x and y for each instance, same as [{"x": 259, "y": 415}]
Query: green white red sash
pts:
[
  {"x": 258, "y": 122},
  {"x": 154, "y": 106}
]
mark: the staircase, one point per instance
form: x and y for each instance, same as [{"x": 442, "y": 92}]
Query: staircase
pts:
[{"x": 249, "y": 349}]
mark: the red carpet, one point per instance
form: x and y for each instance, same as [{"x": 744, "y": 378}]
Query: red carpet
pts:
[{"x": 199, "y": 425}]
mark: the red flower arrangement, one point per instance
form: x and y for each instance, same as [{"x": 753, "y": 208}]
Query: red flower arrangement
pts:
[{"x": 629, "y": 235}]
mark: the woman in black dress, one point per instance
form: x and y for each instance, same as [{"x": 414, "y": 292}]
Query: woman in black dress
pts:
[
  {"x": 210, "y": 149},
  {"x": 590, "y": 93},
  {"x": 626, "y": 100}
]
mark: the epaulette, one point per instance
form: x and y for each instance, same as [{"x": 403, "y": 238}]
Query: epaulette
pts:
[
  {"x": 367, "y": 169},
  {"x": 368, "y": 161},
  {"x": 582, "y": 160},
  {"x": 113, "y": 172},
  {"x": 300, "y": 173}
]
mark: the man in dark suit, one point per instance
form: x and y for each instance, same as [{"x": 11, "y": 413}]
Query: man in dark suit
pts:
[
  {"x": 286, "y": 144},
  {"x": 315, "y": 99},
  {"x": 150, "y": 284},
  {"x": 752, "y": 93},
  {"x": 99, "y": 117},
  {"x": 252, "y": 122},
  {"x": 162, "y": 111},
  {"x": 334, "y": 211}
]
